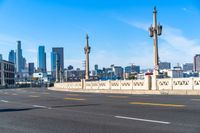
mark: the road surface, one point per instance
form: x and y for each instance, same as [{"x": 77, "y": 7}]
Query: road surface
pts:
[{"x": 38, "y": 110}]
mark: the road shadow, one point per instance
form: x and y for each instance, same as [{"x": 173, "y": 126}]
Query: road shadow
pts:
[
  {"x": 15, "y": 110},
  {"x": 77, "y": 105}
]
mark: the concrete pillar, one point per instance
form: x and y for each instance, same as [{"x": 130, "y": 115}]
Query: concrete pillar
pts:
[
  {"x": 147, "y": 82},
  {"x": 154, "y": 83}
]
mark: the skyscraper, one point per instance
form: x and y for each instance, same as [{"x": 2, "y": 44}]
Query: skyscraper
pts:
[
  {"x": 197, "y": 63},
  {"x": 12, "y": 56},
  {"x": 24, "y": 63},
  {"x": 41, "y": 59},
  {"x": 1, "y": 57},
  {"x": 57, "y": 56},
  {"x": 31, "y": 68},
  {"x": 19, "y": 57}
]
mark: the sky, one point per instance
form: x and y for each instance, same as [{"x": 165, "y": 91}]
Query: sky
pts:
[{"x": 118, "y": 30}]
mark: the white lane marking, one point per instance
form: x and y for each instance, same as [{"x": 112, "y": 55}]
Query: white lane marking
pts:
[
  {"x": 4, "y": 101},
  {"x": 195, "y": 99},
  {"x": 145, "y": 120},
  {"x": 39, "y": 106}
]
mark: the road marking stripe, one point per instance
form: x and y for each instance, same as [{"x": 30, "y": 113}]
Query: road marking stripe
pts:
[
  {"x": 157, "y": 104},
  {"x": 4, "y": 101},
  {"x": 195, "y": 99},
  {"x": 118, "y": 96},
  {"x": 73, "y": 94},
  {"x": 39, "y": 106},
  {"x": 76, "y": 99},
  {"x": 145, "y": 120},
  {"x": 33, "y": 96}
]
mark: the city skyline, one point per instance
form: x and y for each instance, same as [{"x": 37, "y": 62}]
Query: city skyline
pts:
[{"x": 121, "y": 34}]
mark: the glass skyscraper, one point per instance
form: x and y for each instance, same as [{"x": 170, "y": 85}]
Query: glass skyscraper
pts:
[
  {"x": 19, "y": 57},
  {"x": 12, "y": 56},
  {"x": 58, "y": 53},
  {"x": 41, "y": 59}
]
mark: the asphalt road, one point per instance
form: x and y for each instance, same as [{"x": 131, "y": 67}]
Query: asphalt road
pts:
[{"x": 38, "y": 110}]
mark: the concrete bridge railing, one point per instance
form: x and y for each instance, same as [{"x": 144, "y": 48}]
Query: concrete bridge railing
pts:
[{"x": 147, "y": 84}]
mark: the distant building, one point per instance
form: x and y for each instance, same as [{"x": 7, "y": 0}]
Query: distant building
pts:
[
  {"x": 1, "y": 57},
  {"x": 175, "y": 73},
  {"x": 70, "y": 67},
  {"x": 7, "y": 73},
  {"x": 132, "y": 69},
  {"x": 188, "y": 67},
  {"x": 41, "y": 59},
  {"x": 118, "y": 72},
  {"x": 197, "y": 63},
  {"x": 57, "y": 53},
  {"x": 12, "y": 56},
  {"x": 31, "y": 68},
  {"x": 24, "y": 63},
  {"x": 164, "y": 65},
  {"x": 74, "y": 75},
  {"x": 96, "y": 67},
  {"x": 19, "y": 58}
]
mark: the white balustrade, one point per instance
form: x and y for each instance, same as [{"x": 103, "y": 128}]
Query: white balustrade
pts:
[{"x": 146, "y": 84}]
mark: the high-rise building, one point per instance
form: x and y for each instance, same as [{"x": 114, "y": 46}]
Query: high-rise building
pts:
[
  {"x": 12, "y": 56},
  {"x": 31, "y": 68},
  {"x": 164, "y": 65},
  {"x": 57, "y": 60},
  {"x": 19, "y": 58},
  {"x": 53, "y": 61},
  {"x": 24, "y": 63},
  {"x": 1, "y": 57},
  {"x": 96, "y": 67},
  {"x": 197, "y": 63},
  {"x": 41, "y": 59},
  {"x": 188, "y": 67}
]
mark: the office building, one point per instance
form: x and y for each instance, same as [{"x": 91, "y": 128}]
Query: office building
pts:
[
  {"x": 57, "y": 57},
  {"x": 19, "y": 58},
  {"x": 12, "y": 56},
  {"x": 132, "y": 69},
  {"x": 118, "y": 72},
  {"x": 197, "y": 63},
  {"x": 188, "y": 67},
  {"x": 164, "y": 65},
  {"x": 7, "y": 73},
  {"x": 24, "y": 63},
  {"x": 1, "y": 57},
  {"x": 31, "y": 68},
  {"x": 41, "y": 59}
]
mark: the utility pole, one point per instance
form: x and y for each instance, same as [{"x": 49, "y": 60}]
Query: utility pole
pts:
[{"x": 155, "y": 31}]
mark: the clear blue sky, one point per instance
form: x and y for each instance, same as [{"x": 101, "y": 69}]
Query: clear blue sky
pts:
[{"x": 117, "y": 29}]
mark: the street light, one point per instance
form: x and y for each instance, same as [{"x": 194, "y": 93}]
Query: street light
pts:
[{"x": 155, "y": 31}]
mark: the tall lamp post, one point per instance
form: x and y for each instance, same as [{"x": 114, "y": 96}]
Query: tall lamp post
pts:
[
  {"x": 154, "y": 32},
  {"x": 87, "y": 52}
]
